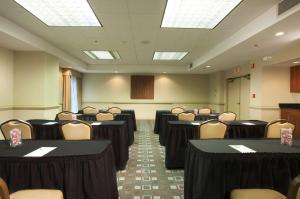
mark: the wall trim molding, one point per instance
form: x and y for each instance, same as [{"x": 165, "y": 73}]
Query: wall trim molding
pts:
[
  {"x": 265, "y": 107},
  {"x": 5, "y": 108},
  {"x": 29, "y": 108},
  {"x": 170, "y": 103}
]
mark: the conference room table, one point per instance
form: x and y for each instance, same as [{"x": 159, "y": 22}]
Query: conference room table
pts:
[
  {"x": 81, "y": 169},
  {"x": 115, "y": 131},
  {"x": 127, "y": 117},
  {"x": 165, "y": 118},
  {"x": 213, "y": 168},
  {"x": 180, "y": 132},
  {"x": 158, "y": 118},
  {"x": 125, "y": 111}
]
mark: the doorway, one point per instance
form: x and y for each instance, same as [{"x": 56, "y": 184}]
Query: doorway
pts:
[{"x": 238, "y": 96}]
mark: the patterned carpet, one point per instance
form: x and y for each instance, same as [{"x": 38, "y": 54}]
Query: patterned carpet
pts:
[{"x": 146, "y": 176}]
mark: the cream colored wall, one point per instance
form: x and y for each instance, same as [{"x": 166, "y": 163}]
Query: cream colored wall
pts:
[
  {"x": 6, "y": 85},
  {"x": 36, "y": 90},
  {"x": 105, "y": 90},
  {"x": 216, "y": 92},
  {"x": 271, "y": 84}
]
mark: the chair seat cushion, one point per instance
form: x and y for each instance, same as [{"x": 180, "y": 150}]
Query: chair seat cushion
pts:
[
  {"x": 37, "y": 194},
  {"x": 256, "y": 194}
]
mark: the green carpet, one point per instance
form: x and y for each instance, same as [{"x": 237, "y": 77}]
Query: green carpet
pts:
[{"x": 146, "y": 176}]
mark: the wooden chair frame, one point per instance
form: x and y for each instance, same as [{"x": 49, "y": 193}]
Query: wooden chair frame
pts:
[
  {"x": 273, "y": 122},
  {"x": 20, "y": 121},
  {"x": 75, "y": 122},
  {"x": 214, "y": 121}
]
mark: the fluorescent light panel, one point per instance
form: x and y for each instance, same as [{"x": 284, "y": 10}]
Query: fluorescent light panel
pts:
[
  {"x": 102, "y": 54},
  {"x": 169, "y": 55},
  {"x": 196, "y": 13},
  {"x": 61, "y": 12}
]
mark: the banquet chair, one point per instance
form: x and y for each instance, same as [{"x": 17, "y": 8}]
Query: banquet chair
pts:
[
  {"x": 66, "y": 115},
  {"x": 89, "y": 110},
  {"x": 114, "y": 110},
  {"x": 205, "y": 111},
  {"x": 29, "y": 193},
  {"x": 293, "y": 192},
  {"x": 177, "y": 110},
  {"x": 273, "y": 128},
  {"x": 76, "y": 130},
  {"x": 227, "y": 116},
  {"x": 186, "y": 116},
  {"x": 104, "y": 116},
  {"x": 25, "y": 128},
  {"x": 212, "y": 129}
]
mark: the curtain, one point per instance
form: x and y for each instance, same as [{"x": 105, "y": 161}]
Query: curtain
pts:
[
  {"x": 66, "y": 91},
  {"x": 72, "y": 90},
  {"x": 74, "y": 97}
]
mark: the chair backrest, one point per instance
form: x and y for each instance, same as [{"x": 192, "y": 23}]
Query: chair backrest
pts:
[
  {"x": 177, "y": 110},
  {"x": 273, "y": 128},
  {"x": 212, "y": 129},
  {"x": 294, "y": 192},
  {"x": 227, "y": 116},
  {"x": 114, "y": 110},
  {"x": 204, "y": 111},
  {"x": 4, "y": 193},
  {"x": 104, "y": 116},
  {"x": 66, "y": 115},
  {"x": 186, "y": 116},
  {"x": 25, "y": 128},
  {"x": 76, "y": 130},
  {"x": 89, "y": 110}
]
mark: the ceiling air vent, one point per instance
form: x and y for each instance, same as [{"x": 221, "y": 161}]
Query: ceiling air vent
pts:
[{"x": 286, "y": 5}]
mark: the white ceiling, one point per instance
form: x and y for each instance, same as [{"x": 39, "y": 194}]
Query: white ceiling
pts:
[{"x": 132, "y": 27}]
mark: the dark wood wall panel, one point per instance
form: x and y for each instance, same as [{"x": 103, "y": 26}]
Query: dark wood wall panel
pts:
[{"x": 142, "y": 87}]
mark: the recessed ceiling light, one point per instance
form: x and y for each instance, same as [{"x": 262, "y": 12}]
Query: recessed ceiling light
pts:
[
  {"x": 207, "y": 66},
  {"x": 296, "y": 62},
  {"x": 61, "y": 12},
  {"x": 169, "y": 55},
  {"x": 102, "y": 54},
  {"x": 196, "y": 13},
  {"x": 279, "y": 34}
]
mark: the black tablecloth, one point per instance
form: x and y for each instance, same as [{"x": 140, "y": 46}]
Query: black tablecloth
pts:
[
  {"x": 165, "y": 118},
  {"x": 178, "y": 135},
  {"x": 246, "y": 129},
  {"x": 163, "y": 126},
  {"x": 115, "y": 131},
  {"x": 132, "y": 113},
  {"x": 180, "y": 132},
  {"x": 130, "y": 125},
  {"x": 89, "y": 117},
  {"x": 86, "y": 117},
  {"x": 45, "y": 129},
  {"x": 127, "y": 117},
  {"x": 213, "y": 169},
  {"x": 157, "y": 119},
  {"x": 204, "y": 117},
  {"x": 81, "y": 169}
]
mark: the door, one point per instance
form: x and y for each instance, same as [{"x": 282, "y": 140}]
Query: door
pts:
[
  {"x": 238, "y": 96},
  {"x": 233, "y": 95},
  {"x": 245, "y": 98}
]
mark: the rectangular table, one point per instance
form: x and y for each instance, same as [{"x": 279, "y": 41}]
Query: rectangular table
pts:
[
  {"x": 127, "y": 117},
  {"x": 180, "y": 132},
  {"x": 81, "y": 169},
  {"x": 115, "y": 131},
  {"x": 165, "y": 118},
  {"x": 213, "y": 169},
  {"x": 157, "y": 119}
]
